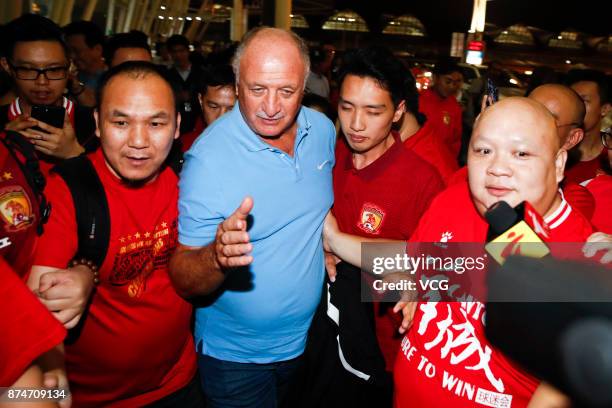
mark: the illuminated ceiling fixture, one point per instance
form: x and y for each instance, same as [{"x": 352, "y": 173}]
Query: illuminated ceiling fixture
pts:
[
  {"x": 199, "y": 18},
  {"x": 160, "y": 17},
  {"x": 568, "y": 62},
  {"x": 298, "y": 21},
  {"x": 346, "y": 20},
  {"x": 188, "y": 18},
  {"x": 405, "y": 25},
  {"x": 517, "y": 34},
  {"x": 528, "y": 72},
  {"x": 219, "y": 14},
  {"x": 567, "y": 39},
  {"x": 162, "y": 7}
]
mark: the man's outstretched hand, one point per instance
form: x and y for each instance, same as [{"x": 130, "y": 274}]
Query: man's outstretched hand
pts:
[{"x": 232, "y": 242}]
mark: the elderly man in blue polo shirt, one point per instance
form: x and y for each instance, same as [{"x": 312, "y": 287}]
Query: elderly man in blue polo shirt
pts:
[{"x": 254, "y": 192}]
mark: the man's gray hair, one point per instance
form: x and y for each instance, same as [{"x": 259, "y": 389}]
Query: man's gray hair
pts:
[{"x": 249, "y": 36}]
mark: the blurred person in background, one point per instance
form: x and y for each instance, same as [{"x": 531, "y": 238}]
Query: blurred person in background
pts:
[
  {"x": 126, "y": 47},
  {"x": 185, "y": 78},
  {"x": 440, "y": 106},
  {"x": 217, "y": 96},
  {"x": 86, "y": 44},
  {"x": 592, "y": 86}
]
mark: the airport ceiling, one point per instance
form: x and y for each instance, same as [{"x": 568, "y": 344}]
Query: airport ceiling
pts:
[{"x": 442, "y": 17}]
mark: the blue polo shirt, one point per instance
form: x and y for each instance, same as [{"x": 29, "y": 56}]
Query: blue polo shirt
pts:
[{"x": 262, "y": 313}]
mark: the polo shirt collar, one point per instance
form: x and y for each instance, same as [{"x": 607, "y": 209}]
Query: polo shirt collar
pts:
[{"x": 254, "y": 143}]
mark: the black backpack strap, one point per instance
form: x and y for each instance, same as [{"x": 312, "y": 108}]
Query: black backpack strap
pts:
[
  {"x": 90, "y": 205},
  {"x": 31, "y": 171}
]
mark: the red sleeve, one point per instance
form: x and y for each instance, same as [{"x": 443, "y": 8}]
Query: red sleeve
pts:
[
  {"x": 30, "y": 330},
  {"x": 59, "y": 243},
  {"x": 580, "y": 198}
]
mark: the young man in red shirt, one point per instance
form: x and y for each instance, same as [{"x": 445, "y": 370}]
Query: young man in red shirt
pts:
[
  {"x": 592, "y": 86},
  {"x": 420, "y": 135},
  {"x": 439, "y": 104},
  {"x": 381, "y": 188},
  {"x": 514, "y": 156},
  {"x": 137, "y": 331},
  {"x": 217, "y": 95},
  {"x": 38, "y": 63}
]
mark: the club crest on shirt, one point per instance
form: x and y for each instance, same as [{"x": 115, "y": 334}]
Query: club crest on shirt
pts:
[
  {"x": 371, "y": 219},
  {"x": 446, "y": 118},
  {"x": 15, "y": 208},
  {"x": 446, "y": 236}
]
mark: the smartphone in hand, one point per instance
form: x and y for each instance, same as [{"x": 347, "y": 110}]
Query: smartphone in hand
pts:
[{"x": 51, "y": 115}]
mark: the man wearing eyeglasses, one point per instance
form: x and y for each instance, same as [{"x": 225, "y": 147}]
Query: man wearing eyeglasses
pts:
[{"x": 37, "y": 61}]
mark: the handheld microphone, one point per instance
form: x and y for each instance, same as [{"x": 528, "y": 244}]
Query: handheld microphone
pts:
[{"x": 515, "y": 231}]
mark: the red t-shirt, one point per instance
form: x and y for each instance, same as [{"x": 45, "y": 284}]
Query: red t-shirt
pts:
[
  {"x": 29, "y": 329},
  {"x": 601, "y": 189},
  {"x": 19, "y": 213},
  {"x": 586, "y": 170},
  {"x": 386, "y": 199},
  {"x": 445, "y": 115},
  {"x": 136, "y": 345},
  {"x": 445, "y": 359},
  {"x": 576, "y": 195},
  {"x": 430, "y": 147}
]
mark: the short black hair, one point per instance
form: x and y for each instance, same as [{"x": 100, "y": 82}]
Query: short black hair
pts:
[
  {"x": 177, "y": 39},
  {"x": 591, "y": 75},
  {"x": 124, "y": 40},
  {"x": 217, "y": 75},
  {"x": 32, "y": 27},
  {"x": 134, "y": 69},
  {"x": 92, "y": 33},
  {"x": 380, "y": 64},
  {"x": 445, "y": 66}
]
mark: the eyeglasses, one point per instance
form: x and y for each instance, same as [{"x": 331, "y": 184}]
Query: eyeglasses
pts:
[
  {"x": 606, "y": 139},
  {"x": 32, "y": 74}
]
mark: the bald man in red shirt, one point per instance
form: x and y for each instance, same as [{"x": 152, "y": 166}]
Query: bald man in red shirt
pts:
[{"x": 525, "y": 166}]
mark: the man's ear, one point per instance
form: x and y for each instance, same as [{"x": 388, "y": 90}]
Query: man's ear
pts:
[
  {"x": 399, "y": 111},
  {"x": 97, "y": 119},
  {"x": 575, "y": 136},
  {"x": 560, "y": 161},
  {"x": 5, "y": 64},
  {"x": 177, "y": 132}
]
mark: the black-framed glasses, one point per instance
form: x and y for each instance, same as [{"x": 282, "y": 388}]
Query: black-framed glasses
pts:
[
  {"x": 32, "y": 74},
  {"x": 606, "y": 139}
]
